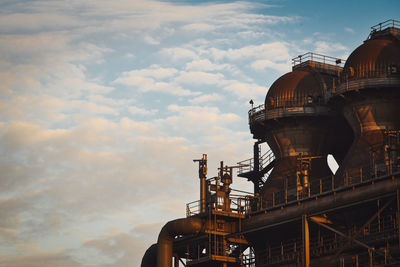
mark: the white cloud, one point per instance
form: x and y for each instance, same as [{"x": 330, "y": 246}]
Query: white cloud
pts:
[
  {"x": 208, "y": 98},
  {"x": 206, "y": 65},
  {"x": 329, "y": 48},
  {"x": 276, "y": 51},
  {"x": 261, "y": 65},
  {"x": 199, "y": 27},
  {"x": 145, "y": 84},
  {"x": 199, "y": 77},
  {"x": 245, "y": 90},
  {"x": 153, "y": 71},
  {"x": 140, "y": 111},
  {"x": 178, "y": 54}
]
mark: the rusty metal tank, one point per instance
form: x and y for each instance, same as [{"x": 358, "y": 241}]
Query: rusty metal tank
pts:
[
  {"x": 296, "y": 127},
  {"x": 369, "y": 98}
]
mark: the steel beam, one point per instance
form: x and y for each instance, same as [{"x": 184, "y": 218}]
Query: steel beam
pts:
[
  {"x": 373, "y": 217},
  {"x": 344, "y": 235}
]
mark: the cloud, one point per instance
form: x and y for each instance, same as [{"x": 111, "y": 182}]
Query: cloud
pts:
[
  {"x": 206, "y": 65},
  {"x": 199, "y": 78},
  {"x": 146, "y": 84},
  {"x": 153, "y": 71},
  {"x": 245, "y": 90},
  {"x": 178, "y": 54},
  {"x": 261, "y": 65},
  {"x": 328, "y": 48},
  {"x": 276, "y": 51},
  {"x": 198, "y": 27},
  {"x": 78, "y": 160},
  {"x": 214, "y": 97},
  {"x": 41, "y": 260},
  {"x": 140, "y": 111}
]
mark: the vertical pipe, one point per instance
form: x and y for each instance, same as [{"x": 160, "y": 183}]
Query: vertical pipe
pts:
[
  {"x": 286, "y": 190},
  {"x": 371, "y": 259},
  {"x": 398, "y": 215},
  {"x": 256, "y": 156},
  {"x": 256, "y": 167},
  {"x": 203, "y": 185},
  {"x": 306, "y": 241},
  {"x": 176, "y": 261},
  {"x": 203, "y": 192}
]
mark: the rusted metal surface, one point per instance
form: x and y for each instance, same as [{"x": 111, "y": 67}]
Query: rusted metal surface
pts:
[
  {"x": 296, "y": 89},
  {"x": 369, "y": 97},
  {"x": 184, "y": 226}
]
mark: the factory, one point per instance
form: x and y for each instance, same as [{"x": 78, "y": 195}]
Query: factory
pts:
[{"x": 301, "y": 213}]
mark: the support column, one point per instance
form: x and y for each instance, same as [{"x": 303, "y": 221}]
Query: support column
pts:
[
  {"x": 256, "y": 158},
  {"x": 306, "y": 241},
  {"x": 176, "y": 261},
  {"x": 371, "y": 258},
  {"x": 398, "y": 214}
]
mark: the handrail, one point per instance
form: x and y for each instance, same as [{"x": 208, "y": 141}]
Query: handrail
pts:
[
  {"x": 390, "y": 23},
  {"x": 244, "y": 204},
  {"x": 305, "y": 109},
  {"x": 330, "y": 244},
  {"x": 247, "y": 165},
  {"x": 317, "y": 58},
  {"x": 240, "y": 204},
  {"x": 323, "y": 186}
]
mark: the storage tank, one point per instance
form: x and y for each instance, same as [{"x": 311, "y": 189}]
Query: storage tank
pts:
[
  {"x": 369, "y": 98},
  {"x": 299, "y": 127},
  {"x": 296, "y": 126}
]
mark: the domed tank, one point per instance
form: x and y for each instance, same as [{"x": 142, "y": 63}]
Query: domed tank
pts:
[
  {"x": 369, "y": 98},
  {"x": 296, "y": 126}
]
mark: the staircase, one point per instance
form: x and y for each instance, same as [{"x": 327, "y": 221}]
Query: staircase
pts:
[{"x": 266, "y": 163}]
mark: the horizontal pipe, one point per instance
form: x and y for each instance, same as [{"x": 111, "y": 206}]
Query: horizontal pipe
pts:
[
  {"x": 184, "y": 226},
  {"x": 320, "y": 205}
]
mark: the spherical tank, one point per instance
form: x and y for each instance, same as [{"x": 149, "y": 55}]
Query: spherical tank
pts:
[{"x": 369, "y": 97}]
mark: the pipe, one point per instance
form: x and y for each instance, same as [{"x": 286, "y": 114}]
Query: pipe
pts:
[
  {"x": 322, "y": 204},
  {"x": 203, "y": 193},
  {"x": 184, "y": 226},
  {"x": 150, "y": 257}
]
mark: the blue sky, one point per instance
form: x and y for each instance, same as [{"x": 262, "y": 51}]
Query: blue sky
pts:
[{"x": 104, "y": 104}]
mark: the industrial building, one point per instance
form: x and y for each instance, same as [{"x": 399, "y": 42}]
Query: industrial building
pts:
[{"x": 300, "y": 213}]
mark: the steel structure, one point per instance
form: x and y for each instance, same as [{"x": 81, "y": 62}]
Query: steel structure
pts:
[{"x": 302, "y": 214}]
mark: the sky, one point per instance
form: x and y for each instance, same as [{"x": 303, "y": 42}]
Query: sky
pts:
[{"x": 104, "y": 105}]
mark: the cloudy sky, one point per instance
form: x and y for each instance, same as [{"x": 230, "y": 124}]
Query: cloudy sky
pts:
[{"x": 104, "y": 104}]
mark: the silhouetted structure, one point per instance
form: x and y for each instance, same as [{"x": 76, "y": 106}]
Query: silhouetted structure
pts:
[{"x": 301, "y": 214}]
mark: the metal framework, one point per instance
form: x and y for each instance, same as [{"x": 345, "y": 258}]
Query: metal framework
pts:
[{"x": 298, "y": 215}]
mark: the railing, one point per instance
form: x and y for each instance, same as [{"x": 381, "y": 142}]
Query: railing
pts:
[
  {"x": 193, "y": 208},
  {"x": 247, "y": 165},
  {"x": 317, "y": 58},
  {"x": 391, "y": 23},
  {"x": 319, "y": 187},
  {"x": 257, "y": 113},
  {"x": 289, "y": 251},
  {"x": 369, "y": 76},
  {"x": 215, "y": 246},
  {"x": 286, "y": 111},
  {"x": 239, "y": 204}
]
